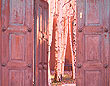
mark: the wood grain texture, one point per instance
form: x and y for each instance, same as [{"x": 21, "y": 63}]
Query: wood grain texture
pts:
[
  {"x": 92, "y": 45},
  {"x": 0, "y": 44},
  {"x": 17, "y": 43},
  {"x": 42, "y": 44}
]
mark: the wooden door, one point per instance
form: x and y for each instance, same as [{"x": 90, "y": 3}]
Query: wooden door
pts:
[
  {"x": 92, "y": 43},
  {"x": 17, "y": 42},
  {"x": 0, "y": 43},
  {"x": 42, "y": 44}
]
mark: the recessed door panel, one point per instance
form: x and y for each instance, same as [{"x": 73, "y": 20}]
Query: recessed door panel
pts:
[
  {"x": 42, "y": 44},
  {"x": 17, "y": 42},
  {"x": 92, "y": 61}
]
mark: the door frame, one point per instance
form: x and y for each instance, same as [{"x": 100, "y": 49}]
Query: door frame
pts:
[
  {"x": 0, "y": 43},
  {"x": 35, "y": 36}
]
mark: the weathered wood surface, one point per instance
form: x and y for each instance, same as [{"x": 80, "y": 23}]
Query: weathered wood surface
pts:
[
  {"x": 92, "y": 67},
  {"x": 42, "y": 43},
  {"x": 17, "y": 42}
]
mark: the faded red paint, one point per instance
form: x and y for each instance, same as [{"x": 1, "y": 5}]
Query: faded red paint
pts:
[
  {"x": 17, "y": 42},
  {"x": 93, "y": 55}
]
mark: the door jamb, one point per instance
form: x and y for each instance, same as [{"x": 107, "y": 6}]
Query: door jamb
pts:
[{"x": 0, "y": 43}]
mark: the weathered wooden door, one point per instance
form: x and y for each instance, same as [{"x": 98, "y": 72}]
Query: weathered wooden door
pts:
[
  {"x": 92, "y": 43},
  {"x": 17, "y": 42},
  {"x": 42, "y": 44}
]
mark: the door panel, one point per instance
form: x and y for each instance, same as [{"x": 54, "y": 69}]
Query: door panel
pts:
[
  {"x": 42, "y": 44},
  {"x": 17, "y": 42},
  {"x": 93, "y": 12},
  {"x": 92, "y": 43}
]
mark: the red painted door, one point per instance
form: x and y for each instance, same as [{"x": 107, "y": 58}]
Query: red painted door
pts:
[
  {"x": 42, "y": 44},
  {"x": 92, "y": 43},
  {"x": 17, "y": 42}
]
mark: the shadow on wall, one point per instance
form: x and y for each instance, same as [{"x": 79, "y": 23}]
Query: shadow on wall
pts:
[
  {"x": 68, "y": 57},
  {"x": 52, "y": 49}
]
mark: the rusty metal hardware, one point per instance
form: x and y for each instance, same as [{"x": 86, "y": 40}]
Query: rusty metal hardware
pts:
[
  {"x": 3, "y": 65},
  {"x": 79, "y": 65},
  {"x": 40, "y": 66},
  {"x": 29, "y": 30},
  {"x": 105, "y": 29},
  {"x": 43, "y": 66},
  {"x": 105, "y": 65},
  {"x": 43, "y": 36},
  {"x": 29, "y": 65},
  {"x": 3, "y": 29},
  {"x": 80, "y": 30},
  {"x": 46, "y": 39}
]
